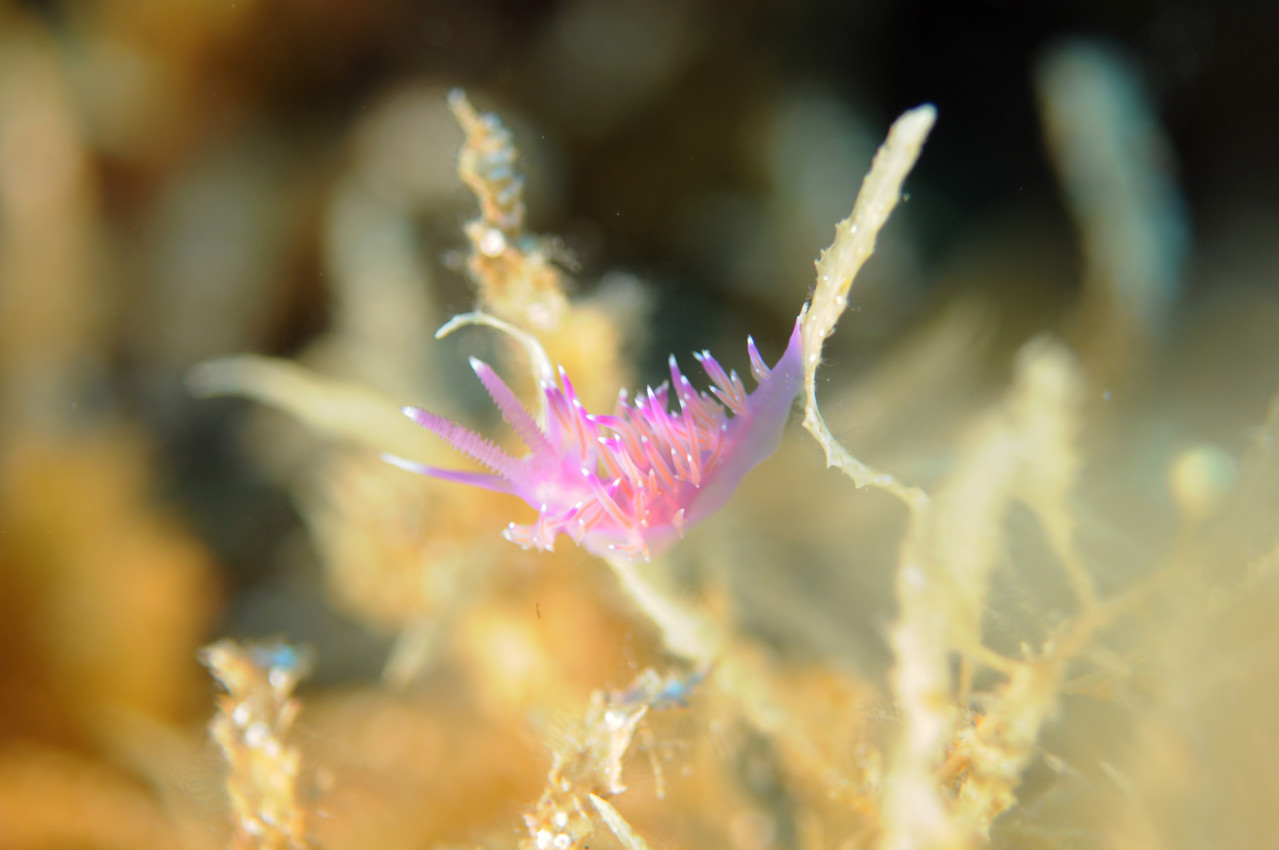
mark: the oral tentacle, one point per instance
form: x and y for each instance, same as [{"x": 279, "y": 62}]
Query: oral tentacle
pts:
[{"x": 475, "y": 479}]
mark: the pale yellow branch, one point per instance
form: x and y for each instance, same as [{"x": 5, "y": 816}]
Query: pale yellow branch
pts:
[
  {"x": 838, "y": 266},
  {"x": 685, "y": 632},
  {"x": 326, "y": 405}
]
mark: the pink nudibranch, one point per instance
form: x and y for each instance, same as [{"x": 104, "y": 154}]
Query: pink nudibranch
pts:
[{"x": 632, "y": 482}]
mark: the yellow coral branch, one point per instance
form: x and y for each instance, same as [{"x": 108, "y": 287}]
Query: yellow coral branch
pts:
[
  {"x": 251, "y": 728},
  {"x": 516, "y": 278}
]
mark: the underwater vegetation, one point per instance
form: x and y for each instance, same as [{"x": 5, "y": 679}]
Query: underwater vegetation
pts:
[
  {"x": 946, "y": 767},
  {"x": 994, "y": 582}
]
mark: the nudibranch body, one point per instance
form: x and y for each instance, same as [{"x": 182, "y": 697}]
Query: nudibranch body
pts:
[{"x": 630, "y": 483}]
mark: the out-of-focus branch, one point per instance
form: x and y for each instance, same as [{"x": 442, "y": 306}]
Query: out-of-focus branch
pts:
[
  {"x": 1115, "y": 166},
  {"x": 1022, "y": 450},
  {"x": 327, "y": 405}
]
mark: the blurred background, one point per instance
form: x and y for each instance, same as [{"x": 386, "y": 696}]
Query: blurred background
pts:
[{"x": 182, "y": 181}]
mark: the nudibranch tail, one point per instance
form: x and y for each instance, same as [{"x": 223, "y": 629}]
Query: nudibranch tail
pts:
[{"x": 629, "y": 483}]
